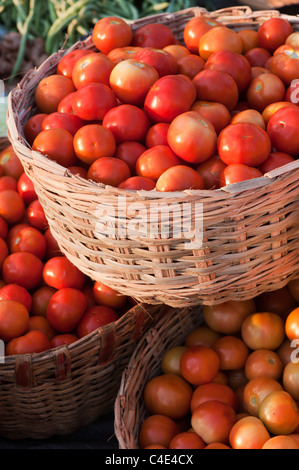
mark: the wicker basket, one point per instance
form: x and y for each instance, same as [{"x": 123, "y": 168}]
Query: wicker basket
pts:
[
  {"x": 61, "y": 390},
  {"x": 249, "y": 230},
  {"x": 145, "y": 363}
]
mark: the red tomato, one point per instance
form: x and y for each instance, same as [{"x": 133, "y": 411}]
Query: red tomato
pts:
[
  {"x": 293, "y": 39},
  {"x": 249, "y": 39},
  {"x": 273, "y": 107},
  {"x": 216, "y": 86},
  {"x": 248, "y": 433},
  {"x": 66, "y": 64},
  {"x": 281, "y": 442},
  {"x": 199, "y": 364},
  {"x": 213, "y": 391},
  {"x": 282, "y": 130},
  {"x": 265, "y": 89},
  {"x": 57, "y": 145},
  {"x": 263, "y": 330},
  {"x": 186, "y": 440},
  {"x": 8, "y": 182},
  {"x": 38, "y": 323},
  {"x": 157, "y": 135},
  {"x": 51, "y": 90},
  {"x": 157, "y": 430},
  {"x": 279, "y": 412},
  {"x": 290, "y": 379},
  {"x": 12, "y": 207},
  {"x": 293, "y": 287},
  {"x": 109, "y": 170},
  {"x": 30, "y": 240},
  {"x": 59, "y": 272},
  {"x": 210, "y": 171},
  {"x": 160, "y": 59},
  {"x": 232, "y": 352},
  {"x": 92, "y": 68},
  {"x": 136, "y": 183},
  {"x": 24, "y": 269},
  {"x": 256, "y": 71},
  {"x": 129, "y": 152},
  {"x": 286, "y": 66},
  {"x": 153, "y": 34},
  {"x": 232, "y": 63},
  {"x": 36, "y": 215},
  {"x": 256, "y": 390},
  {"x": 168, "y": 97},
  {"x": 155, "y": 160},
  {"x": 227, "y": 317},
  {"x": 119, "y": 121},
  {"x": 14, "y": 319},
  {"x": 66, "y": 121},
  {"x": 105, "y": 295},
  {"x": 170, "y": 363},
  {"x": 190, "y": 65},
  {"x": 244, "y": 143},
  {"x": 249, "y": 115},
  {"x": 169, "y": 395},
  {"x": 66, "y": 308},
  {"x": 63, "y": 339},
  {"x": 195, "y": 28},
  {"x": 92, "y": 101},
  {"x": 216, "y": 113},
  {"x": 66, "y": 104},
  {"x": 292, "y": 93},
  {"x": 31, "y": 342},
  {"x": 78, "y": 170},
  {"x": 202, "y": 335},
  {"x": 10, "y": 163},
  {"x": 177, "y": 50},
  {"x": 34, "y": 126},
  {"x": 122, "y": 53},
  {"x": 40, "y": 300},
  {"x": 292, "y": 324},
  {"x": 278, "y": 301},
  {"x": 131, "y": 80},
  {"x": 111, "y": 32},
  {"x": 26, "y": 189},
  {"x": 212, "y": 421},
  {"x": 219, "y": 38},
  {"x": 258, "y": 56},
  {"x": 13, "y": 230},
  {"x": 263, "y": 363},
  {"x": 93, "y": 141},
  {"x": 179, "y": 178},
  {"x": 237, "y": 172},
  {"x": 192, "y": 137},
  {"x": 95, "y": 317},
  {"x": 273, "y": 32}
]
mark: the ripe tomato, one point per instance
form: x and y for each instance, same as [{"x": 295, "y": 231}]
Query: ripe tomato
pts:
[
  {"x": 38, "y": 323},
  {"x": 263, "y": 330},
  {"x": 279, "y": 301},
  {"x": 292, "y": 93},
  {"x": 232, "y": 63},
  {"x": 265, "y": 89},
  {"x": 257, "y": 56},
  {"x": 199, "y": 364},
  {"x": 256, "y": 390},
  {"x": 155, "y": 160},
  {"x": 293, "y": 287},
  {"x": 210, "y": 171},
  {"x": 286, "y": 66},
  {"x": 56, "y": 144},
  {"x": 51, "y": 90},
  {"x": 177, "y": 50},
  {"x": 275, "y": 160},
  {"x": 157, "y": 135},
  {"x": 162, "y": 61},
  {"x": 192, "y": 137},
  {"x": 157, "y": 430},
  {"x": 212, "y": 420},
  {"x": 24, "y": 269},
  {"x": 213, "y": 391},
  {"x": 273, "y": 32},
  {"x": 244, "y": 143},
  {"x": 249, "y": 39},
  {"x": 105, "y": 295},
  {"x": 279, "y": 412},
  {"x": 251, "y": 116},
  {"x": 59, "y": 272},
  {"x": 66, "y": 104},
  {"x": 111, "y": 32},
  {"x": 195, "y": 28},
  {"x": 67, "y": 121},
  {"x": 31, "y": 240},
  {"x": 66, "y": 308},
  {"x": 217, "y": 445},
  {"x": 293, "y": 39},
  {"x": 136, "y": 183},
  {"x": 219, "y": 38},
  {"x": 14, "y": 319},
  {"x": 281, "y": 442},
  {"x": 8, "y": 182},
  {"x": 263, "y": 363},
  {"x": 169, "y": 395},
  {"x": 290, "y": 379},
  {"x": 93, "y": 141},
  {"x": 109, "y": 170},
  {"x": 40, "y": 300},
  {"x": 119, "y": 121},
  {"x": 190, "y": 65},
  {"x": 122, "y": 53},
  {"x": 129, "y": 152},
  {"x": 248, "y": 433},
  {"x": 282, "y": 130},
  {"x": 155, "y": 35},
  {"x": 66, "y": 64},
  {"x": 216, "y": 86},
  {"x": 26, "y": 189},
  {"x": 216, "y": 113},
  {"x": 179, "y": 178},
  {"x": 36, "y": 215},
  {"x": 63, "y": 339},
  {"x": 31, "y": 342},
  {"x": 16, "y": 293},
  {"x": 10, "y": 163},
  {"x": 131, "y": 80},
  {"x": 186, "y": 440},
  {"x": 34, "y": 126},
  {"x": 272, "y": 108},
  {"x": 13, "y": 229},
  {"x": 170, "y": 363},
  {"x": 92, "y": 101},
  {"x": 232, "y": 352},
  {"x": 256, "y": 71},
  {"x": 95, "y": 317},
  {"x": 168, "y": 97},
  {"x": 202, "y": 335},
  {"x": 92, "y": 68},
  {"x": 292, "y": 324},
  {"x": 227, "y": 317}
]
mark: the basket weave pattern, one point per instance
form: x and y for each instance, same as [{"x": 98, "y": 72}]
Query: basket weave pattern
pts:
[{"x": 250, "y": 229}]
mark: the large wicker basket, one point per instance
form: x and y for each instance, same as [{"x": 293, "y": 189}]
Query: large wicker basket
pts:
[
  {"x": 169, "y": 331},
  {"x": 250, "y": 229}
]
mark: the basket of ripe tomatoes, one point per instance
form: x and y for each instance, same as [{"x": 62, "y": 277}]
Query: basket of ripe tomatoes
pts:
[
  {"x": 215, "y": 377},
  {"x": 64, "y": 339},
  {"x": 164, "y": 153}
]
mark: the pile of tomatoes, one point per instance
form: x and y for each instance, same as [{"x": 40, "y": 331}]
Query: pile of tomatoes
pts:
[
  {"x": 145, "y": 111},
  {"x": 234, "y": 383},
  {"x": 45, "y": 301}
]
